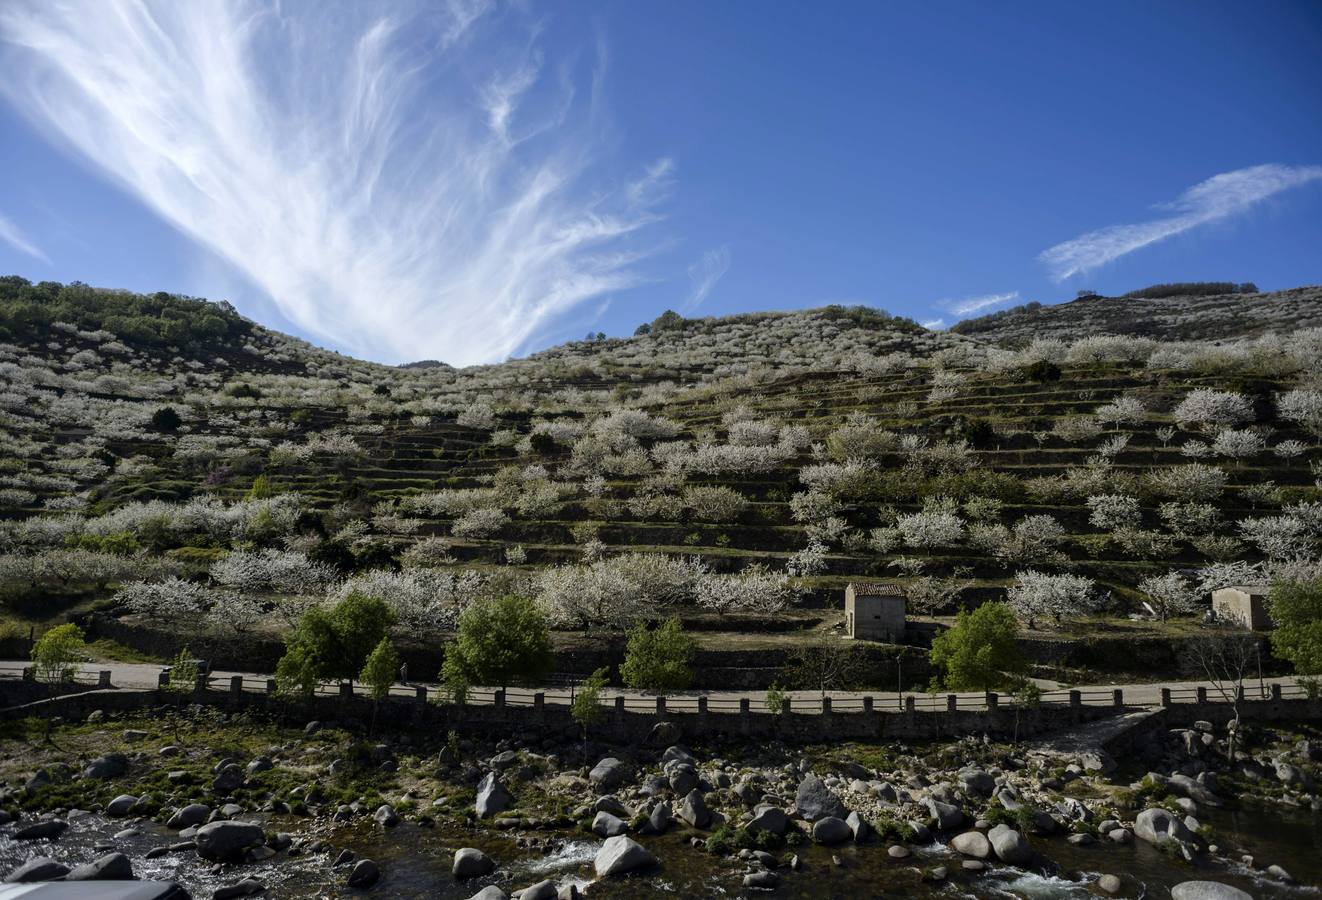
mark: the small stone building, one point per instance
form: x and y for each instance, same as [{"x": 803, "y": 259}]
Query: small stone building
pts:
[
  {"x": 1242, "y": 605},
  {"x": 874, "y": 611}
]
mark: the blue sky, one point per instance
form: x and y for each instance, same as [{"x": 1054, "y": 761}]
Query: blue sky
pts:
[{"x": 472, "y": 180}]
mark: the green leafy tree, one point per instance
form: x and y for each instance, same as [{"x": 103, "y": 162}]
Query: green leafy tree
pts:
[
  {"x": 659, "y": 659},
  {"x": 586, "y": 707},
  {"x": 775, "y": 699},
  {"x": 980, "y": 652},
  {"x": 359, "y": 622},
  {"x": 261, "y": 488},
  {"x": 166, "y": 420},
  {"x": 296, "y": 674},
  {"x": 501, "y": 640},
  {"x": 1296, "y": 609},
  {"x": 56, "y": 653},
  {"x": 379, "y": 674},
  {"x": 183, "y": 672}
]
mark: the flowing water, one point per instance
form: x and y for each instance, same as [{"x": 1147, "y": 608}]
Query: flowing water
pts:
[{"x": 416, "y": 864}]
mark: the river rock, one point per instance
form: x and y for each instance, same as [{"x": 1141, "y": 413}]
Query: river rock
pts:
[
  {"x": 694, "y": 810},
  {"x": 41, "y": 868},
  {"x": 248, "y": 887},
  {"x": 896, "y": 851},
  {"x": 470, "y": 862},
  {"x": 770, "y": 819},
  {"x": 260, "y": 764},
  {"x": 120, "y": 806},
  {"x": 664, "y": 734},
  {"x": 1207, "y": 890},
  {"x": 978, "y": 782},
  {"x": 492, "y": 797},
  {"x": 1156, "y": 826},
  {"x": 1010, "y": 846},
  {"x": 947, "y": 815},
  {"x": 227, "y": 841},
  {"x": 229, "y": 778},
  {"x": 490, "y": 892},
  {"x": 111, "y": 867},
  {"x": 658, "y": 820},
  {"x": 610, "y": 773},
  {"x": 1097, "y": 761},
  {"x": 606, "y": 825},
  {"x": 683, "y": 778},
  {"x": 365, "y": 874},
  {"x": 762, "y": 881},
  {"x": 1193, "y": 790},
  {"x": 1111, "y": 884},
  {"x": 622, "y": 854},
  {"x": 188, "y": 816},
  {"x": 859, "y": 826},
  {"x": 385, "y": 816},
  {"x": 48, "y": 829},
  {"x": 831, "y": 830},
  {"x": 814, "y": 800},
  {"x": 542, "y": 890},
  {"x": 972, "y": 843},
  {"x": 112, "y": 765}
]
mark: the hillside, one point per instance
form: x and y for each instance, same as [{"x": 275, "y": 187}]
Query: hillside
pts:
[
  {"x": 749, "y": 465},
  {"x": 1215, "y": 317}
]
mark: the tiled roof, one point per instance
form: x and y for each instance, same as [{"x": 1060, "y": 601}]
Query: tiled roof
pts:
[{"x": 876, "y": 589}]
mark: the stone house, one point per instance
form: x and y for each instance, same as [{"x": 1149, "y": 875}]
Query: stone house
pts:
[
  {"x": 1243, "y": 605},
  {"x": 874, "y": 611}
]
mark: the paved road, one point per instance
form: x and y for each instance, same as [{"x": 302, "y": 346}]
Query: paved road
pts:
[{"x": 145, "y": 675}]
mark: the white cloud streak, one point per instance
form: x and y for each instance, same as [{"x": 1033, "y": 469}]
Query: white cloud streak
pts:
[
  {"x": 404, "y": 182},
  {"x": 12, "y": 235},
  {"x": 1219, "y": 197},
  {"x": 703, "y": 275},
  {"x": 969, "y": 305}
]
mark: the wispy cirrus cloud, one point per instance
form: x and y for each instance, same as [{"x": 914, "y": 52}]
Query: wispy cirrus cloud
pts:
[
  {"x": 703, "y": 275},
  {"x": 12, "y": 235},
  {"x": 405, "y": 181},
  {"x": 967, "y": 306},
  {"x": 1219, "y": 197}
]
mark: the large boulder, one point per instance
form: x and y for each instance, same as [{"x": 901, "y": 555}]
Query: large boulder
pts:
[
  {"x": 1195, "y": 790},
  {"x": 188, "y": 816},
  {"x": 683, "y": 777},
  {"x": 694, "y": 810},
  {"x": 542, "y": 890},
  {"x": 1157, "y": 826},
  {"x": 658, "y": 820},
  {"x": 972, "y": 843},
  {"x": 365, "y": 874},
  {"x": 490, "y": 892},
  {"x": 1010, "y": 846},
  {"x": 814, "y": 800},
  {"x": 859, "y": 826},
  {"x": 112, "y": 765},
  {"x": 47, "y": 829},
  {"x": 492, "y": 797},
  {"x": 227, "y": 841},
  {"x": 41, "y": 868},
  {"x": 771, "y": 819},
  {"x": 621, "y": 854},
  {"x": 385, "y": 816},
  {"x": 976, "y": 781},
  {"x": 606, "y": 825},
  {"x": 947, "y": 815},
  {"x": 665, "y": 734},
  {"x": 470, "y": 862},
  {"x": 111, "y": 867},
  {"x": 1207, "y": 890},
  {"x": 609, "y": 774},
  {"x": 831, "y": 830},
  {"x": 120, "y": 806}
]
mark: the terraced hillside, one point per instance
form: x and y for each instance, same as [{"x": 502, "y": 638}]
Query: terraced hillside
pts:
[
  {"x": 1214, "y": 317},
  {"x": 738, "y": 471}
]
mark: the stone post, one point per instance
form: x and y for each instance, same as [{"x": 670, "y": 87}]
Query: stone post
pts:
[
  {"x": 1118, "y": 696},
  {"x": 1276, "y": 691},
  {"x": 909, "y": 704},
  {"x": 346, "y": 688},
  {"x": 702, "y": 705},
  {"x": 1201, "y": 693},
  {"x": 203, "y": 682},
  {"x": 993, "y": 701},
  {"x": 1165, "y": 696},
  {"x": 952, "y": 702},
  {"x": 619, "y": 704},
  {"x": 1076, "y": 698},
  {"x": 420, "y": 692},
  {"x": 867, "y": 704},
  {"x": 826, "y": 706},
  {"x": 744, "y": 706},
  {"x": 661, "y": 705},
  {"x": 163, "y": 680},
  {"x": 236, "y": 684},
  {"x": 270, "y": 685},
  {"x": 499, "y": 699},
  {"x": 103, "y": 678},
  {"x": 785, "y": 706}
]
